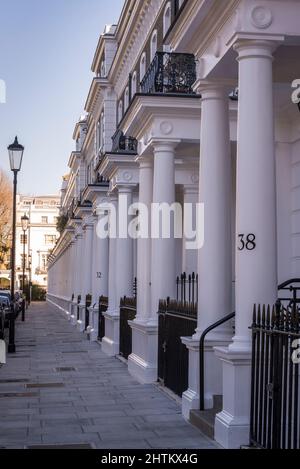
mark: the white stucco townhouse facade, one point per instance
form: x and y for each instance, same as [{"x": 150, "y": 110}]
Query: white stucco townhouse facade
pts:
[{"x": 191, "y": 102}]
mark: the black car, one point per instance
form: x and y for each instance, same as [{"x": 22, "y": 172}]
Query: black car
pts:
[{"x": 5, "y": 309}]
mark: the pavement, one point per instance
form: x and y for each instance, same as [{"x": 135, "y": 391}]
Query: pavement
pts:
[{"x": 60, "y": 390}]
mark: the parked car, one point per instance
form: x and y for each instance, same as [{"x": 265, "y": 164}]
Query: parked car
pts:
[
  {"x": 5, "y": 309},
  {"x": 18, "y": 299}
]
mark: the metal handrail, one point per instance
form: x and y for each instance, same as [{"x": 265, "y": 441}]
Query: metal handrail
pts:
[
  {"x": 201, "y": 355},
  {"x": 288, "y": 285}
]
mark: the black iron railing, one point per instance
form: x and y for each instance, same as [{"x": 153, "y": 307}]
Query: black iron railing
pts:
[
  {"x": 275, "y": 396},
  {"x": 103, "y": 305},
  {"x": 127, "y": 313},
  {"x": 175, "y": 320},
  {"x": 124, "y": 144},
  {"x": 293, "y": 287},
  {"x": 88, "y": 303},
  {"x": 78, "y": 309},
  {"x": 170, "y": 73},
  {"x": 134, "y": 287},
  {"x": 202, "y": 356},
  {"x": 187, "y": 288}
]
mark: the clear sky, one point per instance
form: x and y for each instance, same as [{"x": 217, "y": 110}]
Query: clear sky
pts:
[{"x": 46, "y": 52}]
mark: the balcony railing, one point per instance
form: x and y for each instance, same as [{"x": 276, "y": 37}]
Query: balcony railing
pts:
[
  {"x": 124, "y": 144},
  {"x": 170, "y": 73}
]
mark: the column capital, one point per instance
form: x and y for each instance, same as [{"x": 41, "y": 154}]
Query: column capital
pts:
[
  {"x": 125, "y": 188},
  {"x": 164, "y": 145},
  {"x": 88, "y": 222},
  {"x": 191, "y": 189},
  {"x": 145, "y": 161},
  {"x": 256, "y": 48},
  {"x": 214, "y": 89}
]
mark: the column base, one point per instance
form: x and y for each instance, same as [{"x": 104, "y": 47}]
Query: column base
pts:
[
  {"x": 142, "y": 363},
  {"x": 73, "y": 317},
  {"x": 232, "y": 426},
  {"x": 92, "y": 330},
  {"x": 81, "y": 321},
  {"x": 111, "y": 341},
  {"x": 213, "y": 372}
]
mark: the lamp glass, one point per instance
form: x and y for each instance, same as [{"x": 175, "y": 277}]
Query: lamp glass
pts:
[
  {"x": 24, "y": 222},
  {"x": 15, "y": 151}
]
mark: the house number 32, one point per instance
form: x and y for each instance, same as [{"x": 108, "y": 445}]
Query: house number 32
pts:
[{"x": 247, "y": 242}]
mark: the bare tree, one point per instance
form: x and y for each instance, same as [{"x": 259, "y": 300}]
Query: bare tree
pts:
[{"x": 5, "y": 217}]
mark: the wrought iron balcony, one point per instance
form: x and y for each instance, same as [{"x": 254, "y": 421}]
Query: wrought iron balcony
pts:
[
  {"x": 170, "y": 73},
  {"x": 123, "y": 144}
]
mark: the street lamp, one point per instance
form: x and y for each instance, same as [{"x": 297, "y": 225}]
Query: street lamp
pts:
[
  {"x": 15, "y": 151},
  {"x": 24, "y": 224},
  {"x": 29, "y": 268}
]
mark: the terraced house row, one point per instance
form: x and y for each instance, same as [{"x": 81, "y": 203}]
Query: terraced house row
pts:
[{"x": 192, "y": 102}]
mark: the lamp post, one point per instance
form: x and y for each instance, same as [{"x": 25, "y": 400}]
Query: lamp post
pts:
[
  {"x": 24, "y": 223},
  {"x": 15, "y": 151},
  {"x": 29, "y": 268}
]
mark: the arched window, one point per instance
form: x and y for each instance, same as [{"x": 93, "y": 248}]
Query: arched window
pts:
[
  {"x": 102, "y": 70},
  {"x": 143, "y": 66},
  {"x": 153, "y": 46},
  {"x": 167, "y": 18},
  {"x": 126, "y": 99},
  {"x": 101, "y": 132},
  {"x": 134, "y": 84},
  {"x": 120, "y": 111}
]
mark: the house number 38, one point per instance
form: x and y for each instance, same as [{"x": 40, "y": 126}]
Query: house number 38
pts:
[{"x": 247, "y": 242}]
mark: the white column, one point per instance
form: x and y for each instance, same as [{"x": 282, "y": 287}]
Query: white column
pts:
[
  {"x": 142, "y": 363},
  {"x": 100, "y": 274},
  {"x": 215, "y": 258},
  {"x": 124, "y": 259},
  {"x": 163, "y": 265},
  {"x": 78, "y": 271},
  {"x": 87, "y": 248},
  {"x": 71, "y": 274},
  {"x": 110, "y": 343},
  {"x": 189, "y": 256},
  {"x": 256, "y": 264}
]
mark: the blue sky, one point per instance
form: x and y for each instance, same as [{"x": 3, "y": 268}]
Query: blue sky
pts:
[{"x": 46, "y": 51}]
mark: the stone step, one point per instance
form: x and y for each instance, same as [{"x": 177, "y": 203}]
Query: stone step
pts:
[{"x": 205, "y": 420}]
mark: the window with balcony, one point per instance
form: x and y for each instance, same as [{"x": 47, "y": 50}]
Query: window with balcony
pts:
[
  {"x": 120, "y": 111},
  {"x": 167, "y": 18},
  {"x": 102, "y": 69},
  {"x": 170, "y": 73},
  {"x": 153, "y": 45},
  {"x": 143, "y": 66},
  {"x": 134, "y": 84},
  {"x": 126, "y": 99}
]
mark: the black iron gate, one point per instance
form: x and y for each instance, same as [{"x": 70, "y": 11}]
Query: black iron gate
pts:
[
  {"x": 78, "y": 309},
  {"x": 275, "y": 417},
  {"x": 103, "y": 305},
  {"x": 88, "y": 303},
  {"x": 175, "y": 320},
  {"x": 127, "y": 313}
]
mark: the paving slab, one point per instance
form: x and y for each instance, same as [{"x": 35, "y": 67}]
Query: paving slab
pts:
[{"x": 60, "y": 389}]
